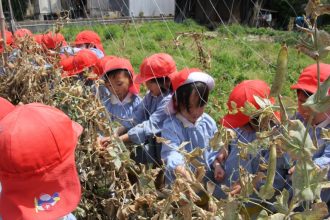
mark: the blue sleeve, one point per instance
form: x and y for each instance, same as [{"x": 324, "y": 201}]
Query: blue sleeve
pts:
[
  {"x": 151, "y": 126},
  {"x": 324, "y": 160},
  {"x": 128, "y": 124},
  {"x": 169, "y": 153}
]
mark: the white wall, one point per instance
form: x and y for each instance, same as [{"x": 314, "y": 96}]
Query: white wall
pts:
[
  {"x": 151, "y": 7},
  {"x": 98, "y": 8},
  {"x": 49, "y": 6}
]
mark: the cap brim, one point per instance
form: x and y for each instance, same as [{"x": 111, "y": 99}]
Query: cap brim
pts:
[
  {"x": 140, "y": 80},
  {"x": 234, "y": 120},
  {"x": 20, "y": 195},
  {"x": 304, "y": 87}
]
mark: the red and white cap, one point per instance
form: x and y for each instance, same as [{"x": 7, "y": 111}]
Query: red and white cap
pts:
[
  {"x": 187, "y": 76},
  {"x": 5, "y": 107},
  {"x": 190, "y": 75},
  {"x": 38, "y": 175}
]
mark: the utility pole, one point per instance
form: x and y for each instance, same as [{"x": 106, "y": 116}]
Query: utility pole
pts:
[
  {"x": 2, "y": 26},
  {"x": 12, "y": 22}
]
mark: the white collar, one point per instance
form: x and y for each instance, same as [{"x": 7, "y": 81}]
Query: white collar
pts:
[
  {"x": 324, "y": 123},
  {"x": 185, "y": 122},
  {"x": 114, "y": 99}
]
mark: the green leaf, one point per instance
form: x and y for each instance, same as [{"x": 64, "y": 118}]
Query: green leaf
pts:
[
  {"x": 281, "y": 203},
  {"x": 117, "y": 163},
  {"x": 306, "y": 179},
  {"x": 320, "y": 101},
  {"x": 293, "y": 143},
  {"x": 263, "y": 103}
]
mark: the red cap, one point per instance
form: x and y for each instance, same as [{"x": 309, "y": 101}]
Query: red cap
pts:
[
  {"x": 242, "y": 93},
  {"x": 122, "y": 63},
  {"x": 99, "y": 67},
  {"x": 38, "y": 38},
  {"x": 156, "y": 66},
  {"x": 66, "y": 62},
  {"x": 5, "y": 108},
  {"x": 89, "y": 37},
  {"x": 53, "y": 41},
  {"x": 308, "y": 78},
  {"x": 190, "y": 75},
  {"x": 23, "y": 32},
  {"x": 79, "y": 62},
  {"x": 9, "y": 40},
  {"x": 38, "y": 176}
]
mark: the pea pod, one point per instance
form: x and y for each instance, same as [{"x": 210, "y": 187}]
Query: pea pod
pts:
[
  {"x": 281, "y": 71},
  {"x": 267, "y": 191}
]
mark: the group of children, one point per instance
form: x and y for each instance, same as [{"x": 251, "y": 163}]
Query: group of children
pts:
[{"x": 173, "y": 108}]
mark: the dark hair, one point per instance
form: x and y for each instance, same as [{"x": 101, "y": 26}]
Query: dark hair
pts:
[
  {"x": 114, "y": 73},
  {"x": 306, "y": 93},
  {"x": 183, "y": 93},
  {"x": 163, "y": 82}
]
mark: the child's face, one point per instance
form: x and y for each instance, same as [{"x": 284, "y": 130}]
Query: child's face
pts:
[
  {"x": 118, "y": 85},
  {"x": 153, "y": 87},
  {"x": 302, "y": 97},
  {"x": 194, "y": 110},
  {"x": 306, "y": 112},
  {"x": 84, "y": 46}
]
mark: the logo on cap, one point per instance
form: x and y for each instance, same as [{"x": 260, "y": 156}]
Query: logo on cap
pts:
[{"x": 46, "y": 202}]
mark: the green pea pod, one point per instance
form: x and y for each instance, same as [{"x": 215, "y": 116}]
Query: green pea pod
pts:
[
  {"x": 267, "y": 191},
  {"x": 281, "y": 71}
]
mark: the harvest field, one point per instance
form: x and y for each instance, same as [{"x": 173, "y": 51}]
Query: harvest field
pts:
[{"x": 231, "y": 54}]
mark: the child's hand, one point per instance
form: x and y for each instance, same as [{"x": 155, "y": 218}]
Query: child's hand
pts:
[
  {"x": 235, "y": 189},
  {"x": 219, "y": 173},
  {"x": 183, "y": 172},
  {"x": 104, "y": 141},
  {"x": 222, "y": 155},
  {"x": 120, "y": 131},
  {"x": 291, "y": 170}
]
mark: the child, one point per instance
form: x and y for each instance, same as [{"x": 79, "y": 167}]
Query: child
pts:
[
  {"x": 188, "y": 121},
  {"x": 5, "y": 108},
  {"x": 89, "y": 40},
  {"x": 53, "y": 41},
  {"x": 81, "y": 65},
  {"x": 149, "y": 116},
  {"x": 226, "y": 168},
  {"x": 38, "y": 176},
  {"x": 9, "y": 40},
  {"x": 22, "y": 32},
  {"x": 305, "y": 87},
  {"x": 121, "y": 95}
]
